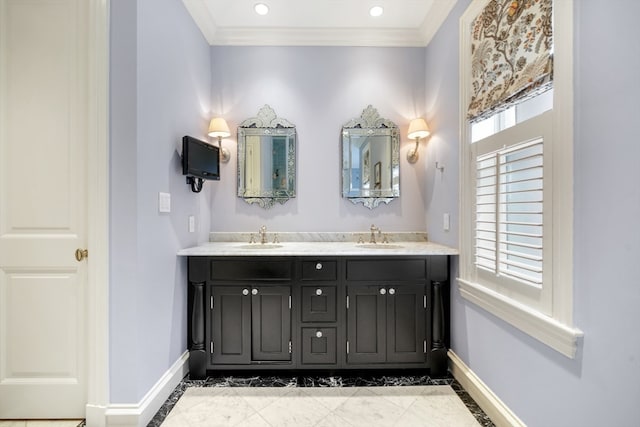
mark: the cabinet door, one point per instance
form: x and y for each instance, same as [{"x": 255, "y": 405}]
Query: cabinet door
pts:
[
  {"x": 366, "y": 324},
  {"x": 271, "y": 323},
  {"x": 405, "y": 324},
  {"x": 231, "y": 325}
]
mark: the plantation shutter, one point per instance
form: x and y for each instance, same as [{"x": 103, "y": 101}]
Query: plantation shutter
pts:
[
  {"x": 487, "y": 212},
  {"x": 509, "y": 212}
]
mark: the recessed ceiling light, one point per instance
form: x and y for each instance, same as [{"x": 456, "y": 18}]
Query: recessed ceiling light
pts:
[
  {"x": 261, "y": 9},
  {"x": 376, "y": 11}
]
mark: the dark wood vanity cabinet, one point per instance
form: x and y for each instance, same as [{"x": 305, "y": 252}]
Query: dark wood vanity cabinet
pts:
[
  {"x": 386, "y": 323},
  {"x": 267, "y": 312},
  {"x": 387, "y": 302},
  {"x": 249, "y": 323},
  {"x": 239, "y": 312}
]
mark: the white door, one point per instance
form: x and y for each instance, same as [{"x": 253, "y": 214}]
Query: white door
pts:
[{"x": 43, "y": 208}]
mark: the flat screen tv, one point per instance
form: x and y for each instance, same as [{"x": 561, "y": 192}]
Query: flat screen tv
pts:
[{"x": 200, "y": 161}]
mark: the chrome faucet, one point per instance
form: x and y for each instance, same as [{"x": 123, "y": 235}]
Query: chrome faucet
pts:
[
  {"x": 374, "y": 229},
  {"x": 263, "y": 234}
]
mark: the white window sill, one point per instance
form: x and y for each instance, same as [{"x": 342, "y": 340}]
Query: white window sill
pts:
[{"x": 548, "y": 330}]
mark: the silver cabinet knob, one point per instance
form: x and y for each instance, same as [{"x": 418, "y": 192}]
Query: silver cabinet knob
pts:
[
  {"x": 254, "y": 292},
  {"x": 392, "y": 291},
  {"x": 319, "y": 266},
  {"x": 319, "y": 334},
  {"x": 245, "y": 292},
  {"x": 318, "y": 291},
  {"x": 383, "y": 291}
]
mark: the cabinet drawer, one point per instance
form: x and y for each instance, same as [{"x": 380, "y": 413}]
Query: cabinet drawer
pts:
[
  {"x": 318, "y": 304},
  {"x": 319, "y": 270},
  {"x": 319, "y": 346},
  {"x": 251, "y": 269},
  {"x": 387, "y": 269}
]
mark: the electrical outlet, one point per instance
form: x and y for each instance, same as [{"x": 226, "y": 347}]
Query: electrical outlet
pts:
[{"x": 446, "y": 222}]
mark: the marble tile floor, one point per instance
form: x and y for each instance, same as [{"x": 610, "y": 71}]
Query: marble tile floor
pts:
[
  {"x": 41, "y": 423},
  {"x": 369, "y": 401}
]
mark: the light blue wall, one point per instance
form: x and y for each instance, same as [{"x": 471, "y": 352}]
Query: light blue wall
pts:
[
  {"x": 123, "y": 250},
  {"x": 160, "y": 91},
  {"x": 441, "y": 105},
  {"x": 601, "y": 386},
  {"x": 319, "y": 89}
]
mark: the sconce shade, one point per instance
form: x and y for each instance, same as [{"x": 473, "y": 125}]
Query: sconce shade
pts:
[
  {"x": 218, "y": 128},
  {"x": 418, "y": 129}
]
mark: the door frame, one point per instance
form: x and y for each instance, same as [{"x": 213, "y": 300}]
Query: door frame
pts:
[{"x": 97, "y": 286}]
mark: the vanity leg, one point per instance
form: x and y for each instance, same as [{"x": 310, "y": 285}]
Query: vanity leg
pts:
[
  {"x": 197, "y": 352},
  {"x": 438, "y": 348}
]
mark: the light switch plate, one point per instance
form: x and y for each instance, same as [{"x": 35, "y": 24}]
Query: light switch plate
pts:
[
  {"x": 192, "y": 223},
  {"x": 446, "y": 222},
  {"x": 164, "y": 202}
]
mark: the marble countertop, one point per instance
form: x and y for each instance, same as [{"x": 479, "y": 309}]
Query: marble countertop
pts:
[{"x": 315, "y": 248}]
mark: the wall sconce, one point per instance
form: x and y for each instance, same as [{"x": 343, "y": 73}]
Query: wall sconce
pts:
[
  {"x": 218, "y": 128},
  {"x": 417, "y": 129}
]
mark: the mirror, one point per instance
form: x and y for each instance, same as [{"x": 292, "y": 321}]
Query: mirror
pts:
[
  {"x": 370, "y": 159},
  {"x": 266, "y": 159}
]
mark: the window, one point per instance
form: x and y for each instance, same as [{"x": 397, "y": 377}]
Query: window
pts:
[
  {"x": 511, "y": 222},
  {"x": 516, "y": 198},
  {"x": 516, "y": 114}
]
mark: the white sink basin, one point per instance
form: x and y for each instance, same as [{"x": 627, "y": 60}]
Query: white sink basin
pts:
[
  {"x": 260, "y": 246},
  {"x": 379, "y": 246}
]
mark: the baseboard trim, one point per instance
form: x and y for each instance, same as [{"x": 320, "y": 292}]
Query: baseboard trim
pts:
[
  {"x": 491, "y": 404},
  {"x": 139, "y": 414}
]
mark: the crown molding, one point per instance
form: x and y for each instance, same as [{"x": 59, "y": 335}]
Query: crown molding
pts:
[
  {"x": 436, "y": 17},
  {"x": 202, "y": 17},
  {"x": 320, "y": 36},
  {"x": 317, "y": 37}
]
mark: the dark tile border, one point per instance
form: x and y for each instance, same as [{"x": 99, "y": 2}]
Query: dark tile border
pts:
[
  {"x": 319, "y": 381},
  {"x": 471, "y": 404}
]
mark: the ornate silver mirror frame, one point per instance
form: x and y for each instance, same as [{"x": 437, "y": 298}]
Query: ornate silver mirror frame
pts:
[
  {"x": 370, "y": 159},
  {"x": 266, "y": 159}
]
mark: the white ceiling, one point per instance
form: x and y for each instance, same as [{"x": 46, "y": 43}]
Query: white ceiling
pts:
[{"x": 319, "y": 22}]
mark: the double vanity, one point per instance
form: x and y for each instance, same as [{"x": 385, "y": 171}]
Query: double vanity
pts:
[{"x": 318, "y": 301}]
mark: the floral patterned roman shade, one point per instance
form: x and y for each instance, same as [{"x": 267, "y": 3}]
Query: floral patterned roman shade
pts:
[{"x": 511, "y": 55}]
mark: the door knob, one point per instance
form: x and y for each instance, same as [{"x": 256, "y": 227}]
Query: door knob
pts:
[
  {"x": 254, "y": 292},
  {"x": 81, "y": 254},
  {"x": 392, "y": 291},
  {"x": 383, "y": 291},
  {"x": 245, "y": 291},
  {"x": 319, "y": 334},
  {"x": 319, "y": 266},
  {"x": 318, "y": 291}
]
